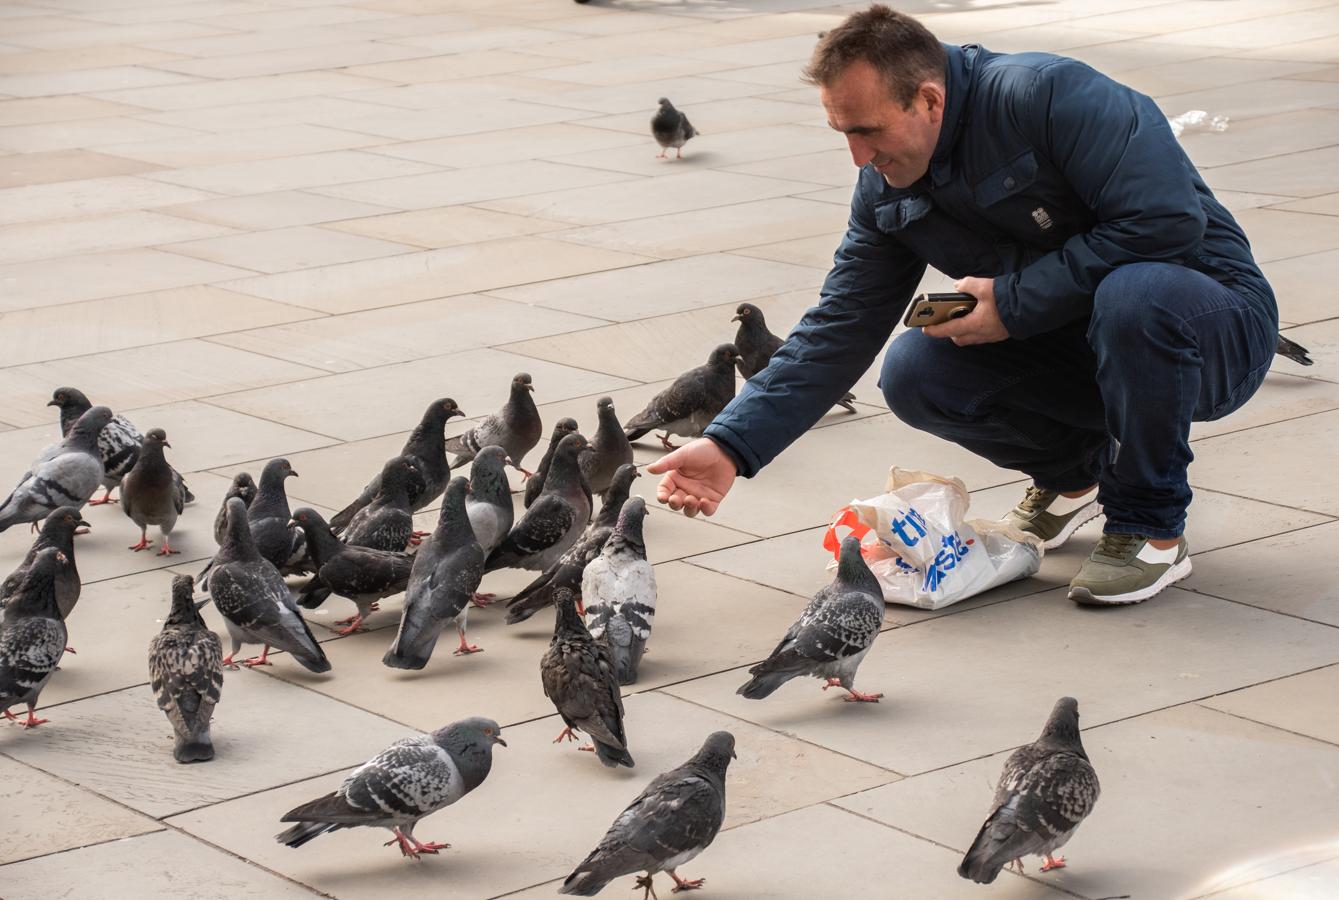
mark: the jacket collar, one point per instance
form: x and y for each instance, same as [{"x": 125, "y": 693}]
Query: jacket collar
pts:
[{"x": 958, "y": 88}]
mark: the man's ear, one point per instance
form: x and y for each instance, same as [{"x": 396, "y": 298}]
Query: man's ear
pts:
[{"x": 932, "y": 94}]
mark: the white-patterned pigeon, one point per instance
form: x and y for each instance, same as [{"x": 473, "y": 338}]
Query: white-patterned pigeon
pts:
[
  {"x": 756, "y": 344},
  {"x": 65, "y": 474},
  {"x": 360, "y": 574},
  {"x": 186, "y": 673},
  {"x": 153, "y": 493},
  {"x": 667, "y": 826},
  {"x": 118, "y": 443},
  {"x": 553, "y": 524},
  {"x": 688, "y": 405},
  {"x": 534, "y": 485},
  {"x": 1045, "y": 792},
  {"x": 671, "y": 128},
  {"x": 516, "y": 428},
  {"x": 619, "y": 591},
  {"x": 32, "y": 637},
  {"x": 57, "y": 531},
  {"x": 832, "y": 636},
  {"x": 410, "y": 779},
  {"x": 609, "y": 448},
  {"x": 387, "y": 523}
]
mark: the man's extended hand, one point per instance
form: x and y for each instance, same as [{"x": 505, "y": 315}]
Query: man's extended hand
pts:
[
  {"x": 980, "y": 326},
  {"x": 697, "y": 477}
]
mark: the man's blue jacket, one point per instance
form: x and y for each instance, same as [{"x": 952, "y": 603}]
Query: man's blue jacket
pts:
[{"x": 1047, "y": 176}]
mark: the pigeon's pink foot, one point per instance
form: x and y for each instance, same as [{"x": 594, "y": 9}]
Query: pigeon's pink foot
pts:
[
  {"x": 586, "y": 749},
  {"x": 678, "y": 155},
  {"x": 858, "y": 697},
  {"x": 430, "y": 846},
  {"x": 262, "y": 660},
  {"x": 665, "y": 441},
  {"x": 227, "y": 662},
  {"x": 466, "y": 649},
  {"x": 660, "y": 155},
  {"x": 644, "y": 881},
  {"x": 375, "y": 607},
  {"x": 31, "y": 722},
  {"x": 72, "y": 650},
  {"x": 105, "y": 498},
  {"x": 581, "y": 610},
  {"x": 32, "y": 527},
  {"x": 419, "y": 534},
  {"x": 1018, "y": 863},
  {"x": 482, "y": 600},
  {"x": 355, "y": 625},
  {"x": 832, "y": 682},
  {"x": 166, "y": 549},
  {"x": 1052, "y": 862},
  {"x": 565, "y": 734},
  {"x": 406, "y": 845},
  {"x": 415, "y": 541},
  {"x": 683, "y": 884},
  {"x": 525, "y": 473},
  {"x": 142, "y": 545}
]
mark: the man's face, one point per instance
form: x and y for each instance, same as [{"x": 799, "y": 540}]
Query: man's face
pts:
[{"x": 899, "y": 142}]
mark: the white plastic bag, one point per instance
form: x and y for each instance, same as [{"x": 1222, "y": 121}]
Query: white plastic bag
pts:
[{"x": 924, "y": 552}]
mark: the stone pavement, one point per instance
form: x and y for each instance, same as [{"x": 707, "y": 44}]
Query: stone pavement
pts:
[{"x": 281, "y": 227}]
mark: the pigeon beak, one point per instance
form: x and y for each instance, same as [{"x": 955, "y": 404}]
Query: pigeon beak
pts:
[
  {"x": 737, "y": 319},
  {"x": 166, "y": 444},
  {"x": 456, "y": 412},
  {"x": 52, "y": 403},
  {"x": 291, "y": 472},
  {"x": 497, "y": 739},
  {"x": 203, "y": 603},
  {"x": 82, "y": 524},
  {"x": 292, "y": 523},
  {"x": 734, "y": 755}
]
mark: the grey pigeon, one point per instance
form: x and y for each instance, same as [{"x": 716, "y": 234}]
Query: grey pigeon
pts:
[
  {"x": 446, "y": 573},
  {"x": 360, "y": 574},
  {"x": 578, "y": 676},
  {"x": 756, "y": 345},
  {"x": 65, "y": 474},
  {"x": 535, "y": 483},
  {"x": 32, "y": 637},
  {"x": 619, "y": 590},
  {"x": 688, "y": 405},
  {"x": 489, "y": 504},
  {"x": 1293, "y": 350},
  {"x": 671, "y": 128},
  {"x": 557, "y": 519},
  {"x": 516, "y": 428},
  {"x": 186, "y": 673},
  {"x": 57, "y": 531},
  {"x": 426, "y": 446},
  {"x": 669, "y": 824},
  {"x": 832, "y": 636},
  {"x": 254, "y": 601},
  {"x": 118, "y": 443},
  {"x": 610, "y": 448},
  {"x": 243, "y": 486},
  {"x": 1045, "y": 792},
  {"x": 410, "y": 779},
  {"x": 153, "y": 493},
  {"x": 567, "y": 571},
  {"x": 268, "y": 515},
  {"x": 387, "y": 523}
]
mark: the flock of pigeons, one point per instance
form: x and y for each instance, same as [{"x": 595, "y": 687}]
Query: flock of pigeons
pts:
[{"x": 592, "y": 567}]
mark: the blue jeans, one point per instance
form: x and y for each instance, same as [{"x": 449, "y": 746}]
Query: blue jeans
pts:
[{"x": 1108, "y": 400}]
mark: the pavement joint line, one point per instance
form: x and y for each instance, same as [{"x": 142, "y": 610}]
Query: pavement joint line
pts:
[{"x": 1270, "y": 725}]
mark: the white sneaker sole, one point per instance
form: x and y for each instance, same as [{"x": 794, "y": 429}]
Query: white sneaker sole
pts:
[
  {"x": 1084, "y": 597},
  {"x": 1085, "y": 515}
]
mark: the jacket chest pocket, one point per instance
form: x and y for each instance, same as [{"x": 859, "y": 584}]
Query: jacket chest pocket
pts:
[
  {"x": 940, "y": 240},
  {"x": 1025, "y": 204}
]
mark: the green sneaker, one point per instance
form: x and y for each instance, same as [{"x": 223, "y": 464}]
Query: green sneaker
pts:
[
  {"x": 1051, "y": 517},
  {"x": 1126, "y": 568}
]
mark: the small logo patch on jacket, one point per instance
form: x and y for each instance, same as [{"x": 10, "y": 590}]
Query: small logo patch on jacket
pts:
[{"x": 1042, "y": 218}]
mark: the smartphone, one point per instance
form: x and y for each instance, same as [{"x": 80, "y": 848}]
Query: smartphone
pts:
[{"x": 932, "y": 309}]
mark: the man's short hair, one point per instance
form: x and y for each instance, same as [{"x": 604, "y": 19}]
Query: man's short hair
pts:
[{"x": 900, "y": 48}]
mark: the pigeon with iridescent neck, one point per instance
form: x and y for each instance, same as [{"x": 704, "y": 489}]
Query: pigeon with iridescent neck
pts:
[
  {"x": 756, "y": 345},
  {"x": 609, "y": 449},
  {"x": 516, "y": 428},
  {"x": 118, "y": 443}
]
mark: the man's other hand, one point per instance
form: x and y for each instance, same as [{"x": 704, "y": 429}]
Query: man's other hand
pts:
[
  {"x": 980, "y": 326},
  {"x": 697, "y": 477}
]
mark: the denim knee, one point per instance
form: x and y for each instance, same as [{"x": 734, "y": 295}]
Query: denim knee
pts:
[
  {"x": 1133, "y": 300},
  {"x": 903, "y": 380}
]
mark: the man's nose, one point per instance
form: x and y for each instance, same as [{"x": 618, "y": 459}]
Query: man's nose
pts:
[{"x": 861, "y": 151}]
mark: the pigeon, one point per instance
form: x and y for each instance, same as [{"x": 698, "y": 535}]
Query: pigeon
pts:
[
  {"x": 268, "y": 515},
  {"x": 609, "y": 449},
  {"x": 32, "y": 637},
  {"x": 688, "y": 405},
  {"x": 426, "y": 446},
  {"x": 619, "y": 590},
  {"x": 244, "y": 486},
  {"x": 669, "y": 824},
  {"x": 410, "y": 779},
  {"x": 118, "y": 444},
  {"x": 556, "y": 520},
  {"x": 1045, "y": 792},
  {"x": 387, "y": 523},
  {"x": 756, "y": 345},
  {"x": 671, "y": 128},
  {"x": 832, "y": 636},
  {"x": 489, "y": 504},
  {"x": 65, "y": 474},
  {"x": 535, "y": 483},
  {"x": 254, "y": 601},
  {"x": 153, "y": 493},
  {"x": 567, "y": 571},
  {"x": 578, "y": 676},
  {"x": 445, "y": 575},
  {"x": 1294, "y": 351},
  {"x": 516, "y": 428},
  {"x": 186, "y": 673},
  {"x": 57, "y": 531},
  {"x": 360, "y": 574}
]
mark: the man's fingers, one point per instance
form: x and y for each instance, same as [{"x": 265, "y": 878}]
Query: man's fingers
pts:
[
  {"x": 690, "y": 506},
  {"x": 708, "y": 507},
  {"x": 665, "y": 488},
  {"x": 667, "y": 463}
]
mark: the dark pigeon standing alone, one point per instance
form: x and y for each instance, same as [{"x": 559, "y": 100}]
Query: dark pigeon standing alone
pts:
[
  {"x": 32, "y": 637},
  {"x": 756, "y": 345},
  {"x": 186, "y": 673},
  {"x": 578, "y": 676},
  {"x": 535, "y": 483},
  {"x": 671, "y": 128},
  {"x": 1045, "y": 792},
  {"x": 243, "y": 486},
  {"x": 65, "y": 474},
  {"x": 516, "y": 428},
  {"x": 688, "y": 405},
  {"x": 118, "y": 443},
  {"x": 488, "y": 504},
  {"x": 153, "y": 493},
  {"x": 610, "y": 448},
  {"x": 57, "y": 531},
  {"x": 556, "y": 520},
  {"x": 360, "y": 574},
  {"x": 832, "y": 636},
  {"x": 667, "y": 826},
  {"x": 619, "y": 591},
  {"x": 410, "y": 779},
  {"x": 387, "y": 523}
]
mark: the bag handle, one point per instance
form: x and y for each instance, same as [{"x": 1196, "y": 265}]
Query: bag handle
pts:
[{"x": 846, "y": 516}]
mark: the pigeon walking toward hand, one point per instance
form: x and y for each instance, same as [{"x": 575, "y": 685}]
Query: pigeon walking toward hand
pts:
[
  {"x": 360, "y": 574},
  {"x": 243, "y": 486},
  {"x": 556, "y": 520},
  {"x": 667, "y": 826},
  {"x": 688, "y": 405},
  {"x": 254, "y": 601},
  {"x": 619, "y": 591},
  {"x": 57, "y": 531},
  {"x": 444, "y": 577},
  {"x": 516, "y": 428},
  {"x": 1045, "y": 792},
  {"x": 118, "y": 443},
  {"x": 153, "y": 493},
  {"x": 409, "y": 780},
  {"x": 610, "y": 448},
  {"x": 387, "y": 523},
  {"x": 535, "y": 483},
  {"x": 671, "y": 128},
  {"x": 65, "y": 474},
  {"x": 756, "y": 345},
  {"x": 578, "y": 676},
  {"x": 32, "y": 637},
  {"x": 186, "y": 673},
  {"x": 832, "y": 636}
]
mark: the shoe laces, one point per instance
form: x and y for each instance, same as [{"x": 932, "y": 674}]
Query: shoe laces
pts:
[
  {"x": 1119, "y": 546},
  {"x": 1035, "y": 501}
]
